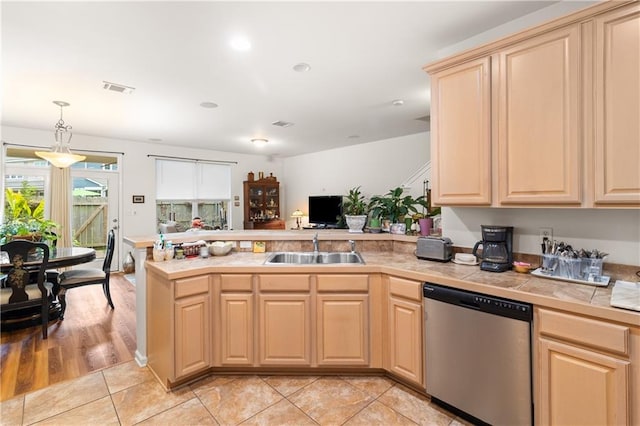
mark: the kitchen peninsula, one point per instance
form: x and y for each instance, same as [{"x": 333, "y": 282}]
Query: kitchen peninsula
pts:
[{"x": 234, "y": 313}]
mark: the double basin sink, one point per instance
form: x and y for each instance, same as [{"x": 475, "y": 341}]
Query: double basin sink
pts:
[{"x": 314, "y": 258}]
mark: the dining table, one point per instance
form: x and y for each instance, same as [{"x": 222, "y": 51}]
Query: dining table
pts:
[{"x": 59, "y": 257}]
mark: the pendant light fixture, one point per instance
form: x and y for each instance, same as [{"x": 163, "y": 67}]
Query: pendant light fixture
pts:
[{"x": 60, "y": 154}]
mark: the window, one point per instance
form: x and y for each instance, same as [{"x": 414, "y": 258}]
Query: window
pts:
[{"x": 186, "y": 189}]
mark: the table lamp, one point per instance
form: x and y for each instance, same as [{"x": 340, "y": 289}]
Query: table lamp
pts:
[{"x": 297, "y": 214}]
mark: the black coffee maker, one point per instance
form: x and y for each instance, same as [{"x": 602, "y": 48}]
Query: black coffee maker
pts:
[{"x": 497, "y": 248}]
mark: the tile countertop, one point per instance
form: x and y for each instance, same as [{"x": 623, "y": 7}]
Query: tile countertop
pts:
[
  {"x": 265, "y": 235},
  {"x": 577, "y": 298}
]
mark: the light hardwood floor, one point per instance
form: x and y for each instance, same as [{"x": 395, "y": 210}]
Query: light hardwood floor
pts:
[{"x": 91, "y": 337}]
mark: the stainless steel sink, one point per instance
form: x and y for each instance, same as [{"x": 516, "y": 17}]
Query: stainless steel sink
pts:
[{"x": 306, "y": 258}]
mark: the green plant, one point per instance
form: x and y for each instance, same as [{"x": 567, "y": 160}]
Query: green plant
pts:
[
  {"x": 23, "y": 221},
  {"x": 355, "y": 203},
  {"x": 394, "y": 205}
]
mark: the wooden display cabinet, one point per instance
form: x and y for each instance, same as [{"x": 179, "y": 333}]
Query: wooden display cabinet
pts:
[{"x": 262, "y": 204}]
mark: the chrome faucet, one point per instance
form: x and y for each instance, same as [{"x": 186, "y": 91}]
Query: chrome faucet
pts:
[
  {"x": 315, "y": 243},
  {"x": 353, "y": 246}
]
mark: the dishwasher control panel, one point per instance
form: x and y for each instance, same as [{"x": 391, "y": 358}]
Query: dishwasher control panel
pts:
[{"x": 478, "y": 301}]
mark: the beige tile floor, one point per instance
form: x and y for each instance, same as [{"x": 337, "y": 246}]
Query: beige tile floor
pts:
[{"x": 127, "y": 394}]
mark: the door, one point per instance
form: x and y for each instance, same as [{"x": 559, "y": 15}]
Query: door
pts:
[
  {"x": 236, "y": 328},
  {"x": 95, "y": 211},
  {"x": 192, "y": 334}
]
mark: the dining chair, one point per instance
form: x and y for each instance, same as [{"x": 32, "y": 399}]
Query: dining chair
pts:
[
  {"x": 85, "y": 276},
  {"x": 26, "y": 286}
]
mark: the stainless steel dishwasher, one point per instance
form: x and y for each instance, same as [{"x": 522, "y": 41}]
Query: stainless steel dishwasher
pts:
[{"x": 478, "y": 355}]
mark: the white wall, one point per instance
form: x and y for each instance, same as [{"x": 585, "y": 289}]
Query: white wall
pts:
[
  {"x": 377, "y": 167},
  {"x": 538, "y": 17},
  {"x": 382, "y": 165},
  {"x": 138, "y": 171}
]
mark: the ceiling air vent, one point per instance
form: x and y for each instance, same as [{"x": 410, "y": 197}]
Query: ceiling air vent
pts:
[
  {"x": 120, "y": 88},
  {"x": 426, "y": 118},
  {"x": 281, "y": 123}
]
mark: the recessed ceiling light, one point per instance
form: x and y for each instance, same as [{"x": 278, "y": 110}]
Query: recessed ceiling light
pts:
[
  {"x": 259, "y": 142},
  {"x": 208, "y": 105},
  {"x": 398, "y": 102},
  {"x": 301, "y": 67},
  {"x": 240, "y": 43}
]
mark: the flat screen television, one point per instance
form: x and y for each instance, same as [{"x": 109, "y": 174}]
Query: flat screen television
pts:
[{"x": 325, "y": 211}]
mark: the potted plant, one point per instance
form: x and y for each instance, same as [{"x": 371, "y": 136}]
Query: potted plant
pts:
[
  {"x": 24, "y": 222},
  {"x": 394, "y": 205},
  {"x": 355, "y": 210}
]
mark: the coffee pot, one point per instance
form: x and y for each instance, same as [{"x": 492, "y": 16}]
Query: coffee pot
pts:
[{"x": 497, "y": 248}]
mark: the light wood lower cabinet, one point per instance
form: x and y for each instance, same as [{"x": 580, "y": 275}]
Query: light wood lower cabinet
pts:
[
  {"x": 583, "y": 370},
  {"x": 179, "y": 324},
  {"x": 236, "y": 328},
  {"x": 284, "y": 320},
  {"x": 236, "y": 324},
  {"x": 342, "y": 320},
  {"x": 193, "y": 336},
  {"x": 404, "y": 328}
]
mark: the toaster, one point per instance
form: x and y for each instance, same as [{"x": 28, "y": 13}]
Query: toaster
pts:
[{"x": 434, "y": 248}]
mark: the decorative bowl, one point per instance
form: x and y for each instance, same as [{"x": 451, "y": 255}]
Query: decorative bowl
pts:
[
  {"x": 220, "y": 248},
  {"x": 522, "y": 267}
]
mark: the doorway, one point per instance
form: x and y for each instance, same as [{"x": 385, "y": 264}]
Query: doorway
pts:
[{"x": 95, "y": 212}]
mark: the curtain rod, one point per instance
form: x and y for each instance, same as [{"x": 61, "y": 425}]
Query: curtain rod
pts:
[
  {"x": 197, "y": 160},
  {"x": 44, "y": 147}
]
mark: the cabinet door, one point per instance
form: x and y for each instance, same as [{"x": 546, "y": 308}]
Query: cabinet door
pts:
[
  {"x": 285, "y": 329},
  {"x": 236, "y": 328},
  {"x": 192, "y": 334},
  {"x": 461, "y": 134},
  {"x": 617, "y": 107},
  {"x": 538, "y": 120},
  {"x": 581, "y": 387},
  {"x": 405, "y": 339},
  {"x": 342, "y": 329}
]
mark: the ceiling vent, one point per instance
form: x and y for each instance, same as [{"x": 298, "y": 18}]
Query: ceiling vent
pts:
[
  {"x": 426, "y": 118},
  {"x": 281, "y": 123},
  {"x": 120, "y": 88}
]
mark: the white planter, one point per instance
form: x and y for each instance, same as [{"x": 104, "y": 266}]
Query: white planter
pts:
[{"x": 356, "y": 223}]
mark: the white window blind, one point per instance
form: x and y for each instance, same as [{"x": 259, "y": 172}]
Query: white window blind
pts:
[
  {"x": 214, "y": 182},
  {"x": 187, "y": 180}
]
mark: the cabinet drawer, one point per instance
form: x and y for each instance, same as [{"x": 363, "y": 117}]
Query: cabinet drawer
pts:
[
  {"x": 190, "y": 286},
  {"x": 340, "y": 283},
  {"x": 234, "y": 282},
  {"x": 405, "y": 288},
  {"x": 281, "y": 282},
  {"x": 589, "y": 332}
]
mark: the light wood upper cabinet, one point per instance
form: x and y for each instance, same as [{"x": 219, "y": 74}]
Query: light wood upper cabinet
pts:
[
  {"x": 461, "y": 134},
  {"x": 538, "y": 120},
  {"x": 544, "y": 117},
  {"x": 617, "y": 107}
]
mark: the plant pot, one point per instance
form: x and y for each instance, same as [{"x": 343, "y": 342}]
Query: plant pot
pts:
[
  {"x": 356, "y": 223},
  {"x": 425, "y": 226}
]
